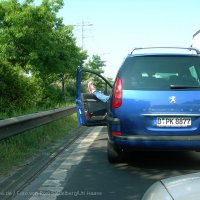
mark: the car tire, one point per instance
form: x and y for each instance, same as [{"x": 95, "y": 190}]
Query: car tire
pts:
[{"x": 114, "y": 155}]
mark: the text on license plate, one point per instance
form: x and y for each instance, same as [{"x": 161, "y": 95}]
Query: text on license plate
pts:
[{"x": 174, "y": 121}]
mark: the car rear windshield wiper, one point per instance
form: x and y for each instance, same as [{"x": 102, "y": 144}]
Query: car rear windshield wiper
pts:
[{"x": 183, "y": 86}]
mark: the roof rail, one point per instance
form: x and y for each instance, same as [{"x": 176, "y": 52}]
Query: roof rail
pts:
[{"x": 189, "y": 48}]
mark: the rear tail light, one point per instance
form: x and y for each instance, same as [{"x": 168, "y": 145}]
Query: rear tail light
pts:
[
  {"x": 117, "y": 96},
  {"x": 116, "y": 133}
]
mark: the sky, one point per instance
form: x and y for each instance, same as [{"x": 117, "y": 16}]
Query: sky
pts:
[{"x": 118, "y": 26}]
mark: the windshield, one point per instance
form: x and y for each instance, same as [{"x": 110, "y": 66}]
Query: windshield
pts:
[{"x": 161, "y": 73}]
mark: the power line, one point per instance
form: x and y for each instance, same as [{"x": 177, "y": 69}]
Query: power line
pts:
[{"x": 83, "y": 25}]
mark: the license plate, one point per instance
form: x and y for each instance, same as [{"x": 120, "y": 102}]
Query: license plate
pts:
[{"x": 174, "y": 121}]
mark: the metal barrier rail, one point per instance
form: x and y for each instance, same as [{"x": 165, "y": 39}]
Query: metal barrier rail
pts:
[{"x": 12, "y": 126}]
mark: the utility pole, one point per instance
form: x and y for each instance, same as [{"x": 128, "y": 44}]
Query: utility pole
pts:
[{"x": 83, "y": 25}]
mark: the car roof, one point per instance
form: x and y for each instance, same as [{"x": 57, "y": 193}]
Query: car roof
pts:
[{"x": 167, "y": 51}]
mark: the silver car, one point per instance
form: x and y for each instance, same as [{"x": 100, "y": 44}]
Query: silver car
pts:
[{"x": 185, "y": 187}]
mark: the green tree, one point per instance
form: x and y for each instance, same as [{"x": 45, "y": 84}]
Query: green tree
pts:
[
  {"x": 18, "y": 91},
  {"x": 96, "y": 64},
  {"x": 34, "y": 40}
]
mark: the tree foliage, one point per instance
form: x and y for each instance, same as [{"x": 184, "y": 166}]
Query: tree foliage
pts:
[
  {"x": 33, "y": 40},
  {"x": 16, "y": 89},
  {"x": 96, "y": 64}
]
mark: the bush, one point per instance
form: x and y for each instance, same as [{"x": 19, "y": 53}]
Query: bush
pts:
[
  {"x": 70, "y": 91},
  {"x": 51, "y": 97},
  {"x": 18, "y": 91}
]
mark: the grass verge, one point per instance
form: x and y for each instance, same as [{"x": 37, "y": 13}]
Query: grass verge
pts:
[
  {"x": 17, "y": 149},
  {"x": 31, "y": 110}
]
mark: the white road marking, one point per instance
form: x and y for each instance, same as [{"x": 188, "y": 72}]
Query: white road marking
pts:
[{"x": 53, "y": 186}]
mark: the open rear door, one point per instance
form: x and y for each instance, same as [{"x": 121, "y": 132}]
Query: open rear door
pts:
[{"x": 91, "y": 111}]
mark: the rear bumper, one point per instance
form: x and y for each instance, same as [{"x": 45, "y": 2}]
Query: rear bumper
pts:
[
  {"x": 157, "y": 142},
  {"x": 152, "y": 142}
]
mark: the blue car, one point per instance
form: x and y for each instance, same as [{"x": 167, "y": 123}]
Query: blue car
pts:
[{"x": 154, "y": 102}]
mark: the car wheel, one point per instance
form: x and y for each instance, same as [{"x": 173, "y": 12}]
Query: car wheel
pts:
[{"x": 114, "y": 155}]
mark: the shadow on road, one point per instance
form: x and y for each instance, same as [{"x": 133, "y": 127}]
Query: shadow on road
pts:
[
  {"x": 130, "y": 178},
  {"x": 164, "y": 160}
]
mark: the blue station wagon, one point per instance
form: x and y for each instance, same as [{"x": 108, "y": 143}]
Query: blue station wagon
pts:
[{"x": 154, "y": 102}]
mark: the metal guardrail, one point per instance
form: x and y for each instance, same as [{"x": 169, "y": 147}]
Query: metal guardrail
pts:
[{"x": 12, "y": 126}]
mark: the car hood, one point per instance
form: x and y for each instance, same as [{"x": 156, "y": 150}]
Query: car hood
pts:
[
  {"x": 183, "y": 187},
  {"x": 175, "y": 188}
]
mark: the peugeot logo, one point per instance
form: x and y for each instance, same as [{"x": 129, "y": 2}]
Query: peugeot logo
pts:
[{"x": 172, "y": 99}]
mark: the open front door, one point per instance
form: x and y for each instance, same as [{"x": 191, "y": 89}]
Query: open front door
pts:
[{"x": 91, "y": 111}]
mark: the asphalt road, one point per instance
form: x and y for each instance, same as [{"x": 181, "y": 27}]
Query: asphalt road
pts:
[{"x": 83, "y": 172}]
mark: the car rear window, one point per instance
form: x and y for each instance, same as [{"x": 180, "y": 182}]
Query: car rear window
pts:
[{"x": 160, "y": 72}]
